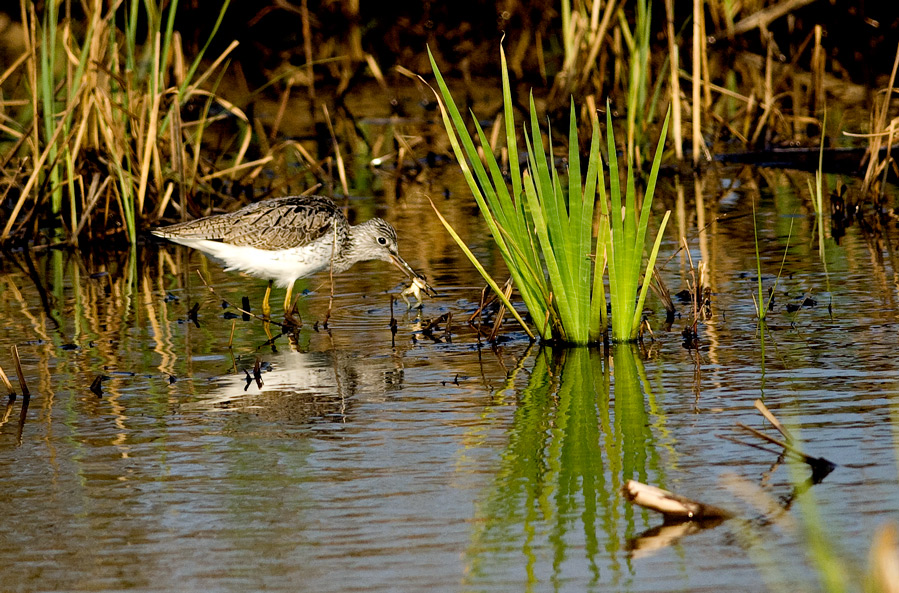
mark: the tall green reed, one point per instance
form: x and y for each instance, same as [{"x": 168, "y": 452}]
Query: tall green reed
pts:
[
  {"x": 543, "y": 224},
  {"x": 763, "y": 305}
]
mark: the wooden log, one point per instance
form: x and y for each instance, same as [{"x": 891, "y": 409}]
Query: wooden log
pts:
[{"x": 673, "y": 506}]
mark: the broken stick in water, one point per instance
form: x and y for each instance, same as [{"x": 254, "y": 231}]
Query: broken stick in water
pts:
[
  {"x": 820, "y": 466},
  {"x": 9, "y": 390},
  {"x": 673, "y": 506},
  {"x": 22, "y": 384}
]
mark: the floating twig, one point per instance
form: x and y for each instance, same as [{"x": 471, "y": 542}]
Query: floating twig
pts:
[
  {"x": 245, "y": 304},
  {"x": 192, "y": 314},
  {"x": 447, "y": 334},
  {"x": 97, "y": 385},
  {"x": 819, "y": 465},
  {"x": 257, "y": 373},
  {"x": 15, "y": 356},
  {"x": 433, "y": 325},
  {"x": 9, "y": 390},
  {"x": 761, "y": 407},
  {"x": 498, "y": 321},
  {"x": 673, "y": 506}
]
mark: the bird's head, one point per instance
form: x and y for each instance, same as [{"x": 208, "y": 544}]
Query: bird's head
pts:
[{"x": 376, "y": 239}]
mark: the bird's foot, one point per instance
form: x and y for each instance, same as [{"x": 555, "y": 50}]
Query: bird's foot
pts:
[{"x": 292, "y": 317}]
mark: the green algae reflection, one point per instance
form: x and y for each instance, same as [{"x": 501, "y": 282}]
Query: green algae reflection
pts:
[{"x": 553, "y": 515}]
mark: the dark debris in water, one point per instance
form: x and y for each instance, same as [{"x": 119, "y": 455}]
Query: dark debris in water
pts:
[
  {"x": 256, "y": 376},
  {"x": 455, "y": 380},
  {"x": 192, "y": 314},
  {"x": 97, "y": 385}
]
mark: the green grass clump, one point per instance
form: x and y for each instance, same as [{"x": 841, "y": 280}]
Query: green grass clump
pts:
[{"x": 543, "y": 225}]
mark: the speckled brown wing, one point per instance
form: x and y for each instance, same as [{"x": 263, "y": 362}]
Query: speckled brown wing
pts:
[{"x": 274, "y": 224}]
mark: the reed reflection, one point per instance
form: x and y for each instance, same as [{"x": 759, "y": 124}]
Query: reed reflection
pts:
[{"x": 582, "y": 428}]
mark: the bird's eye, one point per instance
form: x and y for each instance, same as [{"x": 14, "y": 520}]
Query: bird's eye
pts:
[{"x": 382, "y": 240}]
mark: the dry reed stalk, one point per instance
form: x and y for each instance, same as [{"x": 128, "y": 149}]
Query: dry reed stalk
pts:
[
  {"x": 675, "y": 82},
  {"x": 704, "y": 55},
  {"x": 888, "y": 157},
  {"x": 198, "y": 82},
  {"x": 94, "y": 192},
  {"x": 541, "y": 59},
  {"x": 697, "y": 79},
  {"x": 517, "y": 56},
  {"x": 768, "y": 104},
  {"x": 31, "y": 65},
  {"x": 35, "y": 175},
  {"x": 230, "y": 171},
  {"x": 5, "y": 380},
  {"x": 878, "y": 129},
  {"x": 22, "y": 384},
  {"x": 166, "y": 198},
  {"x": 376, "y": 72},
  {"x": 307, "y": 49},
  {"x": 763, "y": 18},
  {"x": 565, "y": 79},
  {"x": 597, "y": 35},
  {"x": 341, "y": 169},
  {"x": 178, "y": 156},
  {"x": 817, "y": 95},
  {"x": 351, "y": 10},
  {"x": 152, "y": 129},
  {"x": 282, "y": 109},
  {"x": 494, "y": 133}
]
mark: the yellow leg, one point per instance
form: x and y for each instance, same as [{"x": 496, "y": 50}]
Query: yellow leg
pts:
[
  {"x": 287, "y": 296},
  {"x": 266, "y": 307}
]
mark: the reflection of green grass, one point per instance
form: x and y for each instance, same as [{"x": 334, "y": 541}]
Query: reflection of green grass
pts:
[{"x": 555, "y": 499}]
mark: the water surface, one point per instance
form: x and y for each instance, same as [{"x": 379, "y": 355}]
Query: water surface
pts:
[{"x": 369, "y": 461}]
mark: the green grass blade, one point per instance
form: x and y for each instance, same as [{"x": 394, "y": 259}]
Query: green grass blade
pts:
[
  {"x": 631, "y": 255},
  {"x": 579, "y": 221},
  {"x": 541, "y": 229},
  {"x": 468, "y": 158},
  {"x": 461, "y": 144},
  {"x": 596, "y": 182},
  {"x": 511, "y": 140},
  {"x": 647, "y": 278},
  {"x": 615, "y": 243},
  {"x": 598, "y": 304},
  {"x": 167, "y": 41},
  {"x": 497, "y": 194},
  {"x": 474, "y": 261},
  {"x": 646, "y": 209},
  {"x": 188, "y": 79}
]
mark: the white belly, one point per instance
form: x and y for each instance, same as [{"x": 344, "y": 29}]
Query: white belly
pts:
[{"x": 283, "y": 267}]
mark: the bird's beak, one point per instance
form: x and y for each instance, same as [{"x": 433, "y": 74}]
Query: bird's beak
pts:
[{"x": 408, "y": 271}]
